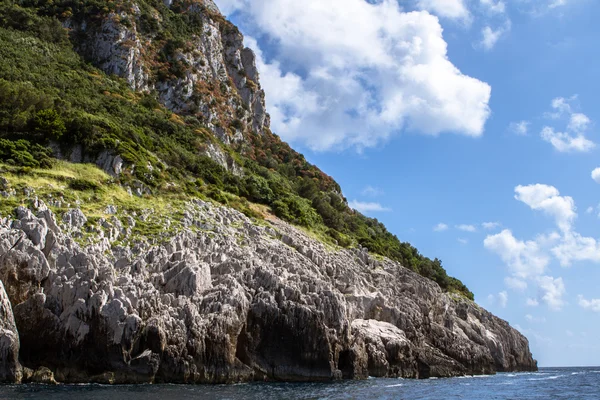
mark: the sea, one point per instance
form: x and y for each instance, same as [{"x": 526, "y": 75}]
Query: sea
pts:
[{"x": 548, "y": 383}]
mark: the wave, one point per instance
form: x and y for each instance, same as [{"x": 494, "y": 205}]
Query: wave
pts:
[
  {"x": 397, "y": 385},
  {"x": 546, "y": 378}
]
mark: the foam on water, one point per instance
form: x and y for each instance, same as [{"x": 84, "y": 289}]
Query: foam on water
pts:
[{"x": 547, "y": 378}]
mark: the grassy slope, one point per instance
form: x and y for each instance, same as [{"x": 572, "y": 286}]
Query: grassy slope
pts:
[{"x": 48, "y": 92}]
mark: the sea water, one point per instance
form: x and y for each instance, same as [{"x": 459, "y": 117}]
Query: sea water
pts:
[{"x": 548, "y": 383}]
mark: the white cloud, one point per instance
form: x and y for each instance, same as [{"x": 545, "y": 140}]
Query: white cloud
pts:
[
  {"x": 366, "y": 207},
  {"x": 441, "y": 227},
  {"x": 519, "y": 128},
  {"x": 495, "y": 7},
  {"x": 524, "y": 259},
  {"x": 553, "y": 291},
  {"x": 503, "y": 299},
  {"x": 592, "y": 305},
  {"x": 569, "y": 333},
  {"x": 596, "y": 175},
  {"x": 372, "y": 191},
  {"x": 579, "y": 122},
  {"x": 490, "y": 36},
  {"x": 531, "y": 302},
  {"x": 565, "y": 142},
  {"x": 452, "y": 9},
  {"x": 575, "y": 247},
  {"x": 547, "y": 199},
  {"x": 466, "y": 228},
  {"x": 589, "y": 210},
  {"x": 374, "y": 72},
  {"x": 515, "y": 283},
  {"x": 463, "y": 241},
  {"x": 557, "y": 3},
  {"x": 573, "y": 139},
  {"x": 561, "y": 106},
  {"x": 491, "y": 225}
]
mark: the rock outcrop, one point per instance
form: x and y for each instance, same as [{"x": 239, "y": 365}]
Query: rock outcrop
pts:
[
  {"x": 227, "y": 300},
  {"x": 10, "y": 369},
  {"x": 217, "y": 79}
]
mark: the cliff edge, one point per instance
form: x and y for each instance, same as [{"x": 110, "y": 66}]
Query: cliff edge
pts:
[{"x": 229, "y": 300}]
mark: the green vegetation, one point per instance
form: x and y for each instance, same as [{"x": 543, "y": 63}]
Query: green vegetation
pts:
[{"x": 51, "y": 97}]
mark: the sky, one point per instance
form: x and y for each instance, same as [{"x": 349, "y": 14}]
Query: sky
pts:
[{"x": 468, "y": 127}]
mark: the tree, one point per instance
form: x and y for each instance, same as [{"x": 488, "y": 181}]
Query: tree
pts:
[{"x": 48, "y": 124}]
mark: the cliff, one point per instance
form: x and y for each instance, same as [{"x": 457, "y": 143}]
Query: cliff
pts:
[
  {"x": 226, "y": 300},
  {"x": 208, "y": 250}
]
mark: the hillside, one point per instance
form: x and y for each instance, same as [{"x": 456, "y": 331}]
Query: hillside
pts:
[
  {"x": 194, "y": 124},
  {"x": 154, "y": 229}
]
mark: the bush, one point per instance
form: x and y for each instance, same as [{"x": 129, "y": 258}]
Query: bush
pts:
[
  {"x": 48, "y": 124},
  {"x": 25, "y": 154},
  {"x": 258, "y": 189},
  {"x": 83, "y": 185}
]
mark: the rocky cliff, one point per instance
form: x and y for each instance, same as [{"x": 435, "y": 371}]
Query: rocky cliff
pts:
[
  {"x": 152, "y": 284},
  {"x": 208, "y": 73},
  {"x": 227, "y": 300}
]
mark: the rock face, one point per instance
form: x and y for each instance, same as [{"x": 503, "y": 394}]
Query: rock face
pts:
[
  {"x": 10, "y": 369},
  {"x": 227, "y": 300},
  {"x": 217, "y": 80}
]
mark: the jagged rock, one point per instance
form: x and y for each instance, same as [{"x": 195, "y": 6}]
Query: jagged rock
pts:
[
  {"x": 10, "y": 369},
  {"x": 202, "y": 308},
  {"x": 41, "y": 375},
  {"x": 214, "y": 57},
  {"x": 74, "y": 218},
  {"x": 111, "y": 163},
  {"x": 110, "y": 210}
]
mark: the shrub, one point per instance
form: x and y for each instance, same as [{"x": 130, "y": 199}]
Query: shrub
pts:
[
  {"x": 83, "y": 185},
  {"x": 48, "y": 124}
]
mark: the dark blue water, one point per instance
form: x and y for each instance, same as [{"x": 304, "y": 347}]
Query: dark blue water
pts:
[{"x": 549, "y": 383}]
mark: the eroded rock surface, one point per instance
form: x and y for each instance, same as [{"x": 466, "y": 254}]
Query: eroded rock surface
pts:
[
  {"x": 10, "y": 369},
  {"x": 227, "y": 300}
]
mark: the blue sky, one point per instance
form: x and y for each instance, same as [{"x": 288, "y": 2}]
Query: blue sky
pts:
[{"x": 469, "y": 127}]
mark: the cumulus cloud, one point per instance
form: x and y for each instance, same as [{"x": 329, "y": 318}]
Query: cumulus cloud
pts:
[
  {"x": 565, "y": 142},
  {"x": 491, "y": 225},
  {"x": 557, "y": 3},
  {"x": 463, "y": 241},
  {"x": 573, "y": 139},
  {"x": 496, "y": 7},
  {"x": 452, "y": 9},
  {"x": 547, "y": 199},
  {"x": 374, "y": 72},
  {"x": 596, "y": 175},
  {"x": 531, "y": 302},
  {"x": 576, "y": 247},
  {"x": 466, "y": 228},
  {"x": 519, "y": 128},
  {"x": 568, "y": 246},
  {"x": 489, "y": 37},
  {"x": 524, "y": 259},
  {"x": 592, "y": 305},
  {"x": 441, "y": 227},
  {"x": 367, "y": 207},
  {"x": 553, "y": 290}
]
